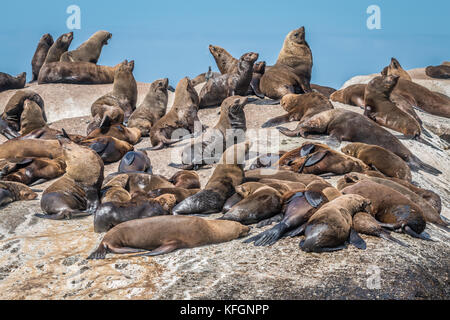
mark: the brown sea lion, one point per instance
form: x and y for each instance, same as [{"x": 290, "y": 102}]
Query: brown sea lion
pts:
[
  {"x": 280, "y": 174},
  {"x": 90, "y": 50},
  {"x": 60, "y": 46},
  {"x": 438, "y": 72},
  {"x": 208, "y": 148},
  {"x": 186, "y": 179},
  {"x": 30, "y": 148},
  {"x": 395, "y": 69},
  {"x": 108, "y": 148},
  {"x": 335, "y": 123},
  {"x": 204, "y": 77},
  {"x": 179, "y": 193},
  {"x": 8, "y": 82},
  {"x": 352, "y": 95},
  {"x": 76, "y": 193},
  {"x": 390, "y": 207},
  {"x": 300, "y": 107},
  {"x": 379, "y": 159},
  {"x": 14, "y": 191},
  {"x": 31, "y": 117},
  {"x": 326, "y": 91},
  {"x": 259, "y": 68},
  {"x": 41, "y": 54},
  {"x": 266, "y": 160},
  {"x": 224, "y": 60},
  {"x": 115, "y": 194},
  {"x": 182, "y": 115},
  {"x": 216, "y": 90},
  {"x": 152, "y": 108},
  {"x": 118, "y": 131},
  {"x": 164, "y": 234},
  {"x": 135, "y": 161},
  {"x": 330, "y": 227},
  {"x": 140, "y": 182}
]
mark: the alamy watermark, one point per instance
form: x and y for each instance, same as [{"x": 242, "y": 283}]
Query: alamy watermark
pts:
[
  {"x": 374, "y": 20},
  {"x": 74, "y": 20}
]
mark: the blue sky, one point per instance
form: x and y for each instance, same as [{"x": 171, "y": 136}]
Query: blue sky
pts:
[{"x": 171, "y": 38}]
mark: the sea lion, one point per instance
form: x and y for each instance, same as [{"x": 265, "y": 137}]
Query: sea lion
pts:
[
  {"x": 331, "y": 226},
  {"x": 390, "y": 207},
  {"x": 108, "y": 148},
  {"x": 118, "y": 131},
  {"x": 31, "y": 117},
  {"x": 352, "y": 95},
  {"x": 135, "y": 161},
  {"x": 76, "y": 73},
  {"x": 186, "y": 179},
  {"x": 259, "y": 68},
  {"x": 76, "y": 193},
  {"x": 300, "y": 107},
  {"x": 164, "y": 234},
  {"x": 204, "y": 77},
  {"x": 110, "y": 214},
  {"x": 60, "y": 46},
  {"x": 208, "y": 148},
  {"x": 438, "y": 72},
  {"x": 90, "y": 50},
  {"x": 266, "y": 160},
  {"x": 395, "y": 69},
  {"x": 216, "y": 90},
  {"x": 227, "y": 174},
  {"x": 292, "y": 71},
  {"x": 224, "y": 60},
  {"x": 30, "y": 148},
  {"x": 179, "y": 193},
  {"x": 326, "y": 91},
  {"x": 8, "y": 82},
  {"x": 182, "y": 115},
  {"x": 383, "y": 111},
  {"x": 115, "y": 194},
  {"x": 14, "y": 191},
  {"x": 379, "y": 159},
  {"x": 41, "y": 54},
  {"x": 139, "y": 182},
  {"x": 335, "y": 123},
  {"x": 280, "y": 174},
  {"x": 152, "y": 108}
]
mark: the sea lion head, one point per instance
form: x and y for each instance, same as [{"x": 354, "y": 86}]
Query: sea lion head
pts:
[
  {"x": 289, "y": 101},
  {"x": 297, "y": 36},
  {"x": 350, "y": 149},
  {"x": 259, "y": 67},
  {"x": 216, "y": 51},
  {"x": 250, "y": 57},
  {"x": 383, "y": 84},
  {"x": 233, "y": 106},
  {"x": 186, "y": 93},
  {"x": 161, "y": 84},
  {"x": 47, "y": 38},
  {"x": 104, "y": 36},
  {"x": 65, "y": 40}
]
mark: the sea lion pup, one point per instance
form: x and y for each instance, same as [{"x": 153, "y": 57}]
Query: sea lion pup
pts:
[
  {"x": 179, "y": 193},
  {"x": 335, "y": 123},
  {"x": 76, "y": 193},
  {"x": 330, "y": 227},
  {"x": 395, "y": 69},
  {"x": 298, "y": 206},
  {"x": 216, "y": 90},
  {"x": 186, "y": 179},
  {"x": 118, "y": 131},
  {"x": 352, "y": 95},
  {"x": 438, "y": 72},
  {"x": 41, "y": 54},
  {"x": 39, "y": 170},
  {"x": 8, "y": 82},
  {"x": 60, "y": 46},
  {"x": 208, "y": 148},
  {"x": 90, "y": 50},
  {"x": 292, "y": 71},
  {"x": 382, "y": 110},
  {"x": 164, "y": 234},
  {"x": 108, "y": 148},
  {"x": 379, "y": 159},
  {"x": 14, "y": 191},
  {"x": 135, "y": 161},
  {"x": 182, "y": 115},
  {"x": 152, "y": 108},
  {"x": 227, "y": 174},
  {"x": 30, "y": 148},
  {"x": 393, "y": 210},
  {"x": 110, "y": 214},
  {"x": 300, "y": 107},
  {"x": 326, "y": 91},
  {"x": 429, "y": 212}
]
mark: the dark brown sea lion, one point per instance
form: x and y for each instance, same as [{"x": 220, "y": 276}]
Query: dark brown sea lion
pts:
[
  {"x": 186, "y": 179},
  {"x": 152, "y": 108},
  {"x": 13, "y": 191},
  {"x": 47, "y": 133},
  {"x": 229, "y": 130},
  {"x": 266, "y": 160},
  {"x": 390, "y": 207},
  {"x": 326, "y": 91},
  {"x": 352, "y": 95},
  {"x": 135, "y": 161},
  {"x": 335, "y": 123},
  {"x": 216, "y": 90},
  {"x": 90, "y": 50},
  {"x": 259, "y": 68},
  {"x": 76, "y": 193},
  {"x": 60, "y": 46},
  {"x": 31, "y": 117},
  {"x": 115, "y": 194},
  {"x": 330, "y": 227},
  {"x": 30, "y": 148},
  {"x": 395, "y": 69},
  {"x": 182, "y": 115},
  {"x": 108, "y": 148},
  {"x": 438, "y": 72},
  {"x": 41, "y": 54},
  {"x": 300, "y": 107},
  {"x": 179, "y": 193},
  {"x": 8, "y": 82},
  {"x": 379, "y": 159},
  {"x": 164, "y": 234},
  {"x": 292, "y": 71},
  {"x": 118, "y": 131},
  {"x": 143, "y": 183}
]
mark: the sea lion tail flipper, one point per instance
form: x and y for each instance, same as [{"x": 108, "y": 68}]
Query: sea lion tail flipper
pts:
[
  {"x": 289, "y": 133},
  {"x": 414, "y": 234},
  {"x": 100, "y": 253},
  {"x": 295, "y": 232},
  {"x": 276, "y": 121},
  {"x": 385, "y": 235},
  {"x": 165, "y": 248},
  {"x": 266, "y": 222},
  {"x": 315, "y": 158},
  {"x": 356, "y": 240},
  {"x": 268, "y": 237},
  {"x": 40, "y": 181},
  {"x": 416, "y": 164},
  {"x": 159, "y": 146},
  {"x": 181, "y": 166},
  {"x": 50, "y": 216}
]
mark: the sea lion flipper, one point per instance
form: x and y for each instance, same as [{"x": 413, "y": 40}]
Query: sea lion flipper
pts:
[
  {"x": 295, "y": 232},
  {"x": 315, "y": 158},
  {"x": 98, "y": 147},
  {"x": 276, "y": 121},
  {"x": 307, "y": 149},
  {"x": 385, "y": 235},
  {"x": 414, "y": 234},
  {"x": 254, "y": 84},
  {"x": 288, "y": 133},
  {"x": 105, "y": 124},
  {"x": 40, "y": 181},
  {"x": 266, "y": 222},
  {"x": 315, "y": 199},
  {"x": 356, "y": 240},
  {"x": 268, "y": 237},
  {"x": 163, "y": 249}
]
